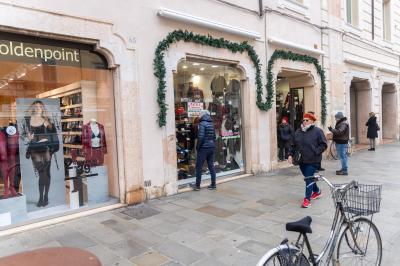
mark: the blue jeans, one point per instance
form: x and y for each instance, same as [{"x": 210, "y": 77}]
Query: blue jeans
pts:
[
  {"x": 342, "y": 153},
  {"x": 202, "y": 155},
  {"x": 311, "y": 186}
]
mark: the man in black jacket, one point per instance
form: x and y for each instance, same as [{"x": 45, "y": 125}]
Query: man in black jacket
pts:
[
  {"x": 205, "y": 149},
  {"x": 341, "y": 139}
]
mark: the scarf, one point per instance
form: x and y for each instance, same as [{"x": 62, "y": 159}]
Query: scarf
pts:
[{"x": 305, "y": 128}]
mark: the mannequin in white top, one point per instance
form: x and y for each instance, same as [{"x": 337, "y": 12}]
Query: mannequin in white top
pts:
[{"x": 95, "y": 133}]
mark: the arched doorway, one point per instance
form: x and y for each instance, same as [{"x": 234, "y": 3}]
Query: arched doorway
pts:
[
  {"x": 295, "y": 94},
  {"x": 389, "y": 129},
  {"x": 360, "y": 106}
]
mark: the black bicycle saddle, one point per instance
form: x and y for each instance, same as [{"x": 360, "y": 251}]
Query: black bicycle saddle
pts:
[{"x": 301, "y": 226}]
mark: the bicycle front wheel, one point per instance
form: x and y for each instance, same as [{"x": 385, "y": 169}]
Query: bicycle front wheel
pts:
[{"x": 360, "y": 244}]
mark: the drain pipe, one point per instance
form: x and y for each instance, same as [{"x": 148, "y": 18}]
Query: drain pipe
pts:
[{"x": 260, "y": 8}]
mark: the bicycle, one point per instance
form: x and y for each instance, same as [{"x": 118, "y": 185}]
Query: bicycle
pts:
[
  {"x": 333, "y": 152},
  {"x": 353, "y": 238}
]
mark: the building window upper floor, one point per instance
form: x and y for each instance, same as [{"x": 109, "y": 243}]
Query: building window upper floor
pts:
[
  {"x": 352, "y": 12},
  {"x": 386, "y": 20}
]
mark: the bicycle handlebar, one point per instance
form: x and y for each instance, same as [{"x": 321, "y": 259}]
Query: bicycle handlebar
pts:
[{"x": 343, "y": 188}]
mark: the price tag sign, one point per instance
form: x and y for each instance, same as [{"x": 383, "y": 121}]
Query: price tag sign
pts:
[{"x": 194, "y": 108}]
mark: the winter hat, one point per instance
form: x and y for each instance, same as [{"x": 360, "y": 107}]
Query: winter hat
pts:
[
  {"x": 310, "y": 116},
  {"x": 339, "y": 115},
  {"x": 204, "y": 112},
  {"x": 285, "y": 119}
]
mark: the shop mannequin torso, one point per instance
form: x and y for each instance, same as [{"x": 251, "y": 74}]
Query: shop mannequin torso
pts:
[{"x": 95, "y": 134}]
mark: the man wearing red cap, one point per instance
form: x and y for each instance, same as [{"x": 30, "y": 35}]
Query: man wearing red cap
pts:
[
  {"x": 285, "y": 136},
  {"x": 310, "y": 142}
]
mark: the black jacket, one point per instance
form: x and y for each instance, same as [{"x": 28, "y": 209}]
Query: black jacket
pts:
[
  {"x": 285, "y": 132},
  {"x": 341, "y": 131},
  {"x": 311, "y": 145},
  {"x": 206, "y": 134},
  {"x": 372, "y": 132}
]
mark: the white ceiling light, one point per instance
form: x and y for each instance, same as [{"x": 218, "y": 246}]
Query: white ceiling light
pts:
[
  {"x": 214, "y": 66},
  {"x": 184, "y": 67},
  {"x": 195, "y": 64},
  {"x": 202, "y": 68}
]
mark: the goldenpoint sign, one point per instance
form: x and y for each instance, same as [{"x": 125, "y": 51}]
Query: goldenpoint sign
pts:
[{"x": 11, "y": 50}]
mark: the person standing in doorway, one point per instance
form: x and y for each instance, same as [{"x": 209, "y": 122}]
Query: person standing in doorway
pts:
[
  {"x": 310, "y": 142},
  {"x": 205, "y": 149},
  {"x": 372, "y": 132},
  {"x": 285, "y": 136},
  {"x": 341, "y": 139}
]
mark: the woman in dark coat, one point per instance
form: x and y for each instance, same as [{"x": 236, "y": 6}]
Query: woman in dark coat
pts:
[{"x": 372, "y": 132}]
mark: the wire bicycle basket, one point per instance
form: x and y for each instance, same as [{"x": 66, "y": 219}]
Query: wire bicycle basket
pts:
[{"x": 361, "y": 200}]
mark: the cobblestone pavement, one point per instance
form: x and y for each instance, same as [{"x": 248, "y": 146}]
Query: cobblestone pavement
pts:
[{"x": 234, "y": 225}]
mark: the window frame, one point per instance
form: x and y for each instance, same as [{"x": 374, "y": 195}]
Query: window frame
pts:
[
  {"x": 386, "y": 20},
  {"x": 301, "y": 8},
  {"x": 352, "y": 18}
]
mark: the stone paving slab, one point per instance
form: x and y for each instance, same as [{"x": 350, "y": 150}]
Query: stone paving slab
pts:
[{"x": 234, "y": 225}]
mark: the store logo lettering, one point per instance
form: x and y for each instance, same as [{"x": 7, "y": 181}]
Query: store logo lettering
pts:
[{"x": 23, "y": 50}]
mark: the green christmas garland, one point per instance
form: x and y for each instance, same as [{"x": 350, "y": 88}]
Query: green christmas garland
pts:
[
  {"x": 186, "y": 36},
  {"x": 180, "y": 35},
  {"x": 287, "y": 55}
]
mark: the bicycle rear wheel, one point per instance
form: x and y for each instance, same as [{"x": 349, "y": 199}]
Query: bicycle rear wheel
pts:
[
  {"x": 332, "y": 151},
  {"x": 349, "y": 149},
  {"x": 285, "y": 258},
  {"x": 365, "y": 248}
]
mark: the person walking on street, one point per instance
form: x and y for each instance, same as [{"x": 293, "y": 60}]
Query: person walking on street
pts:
[
  {"x": 310, "y": 142},
  {"x": 205, "y": 149},
  {"x": 285, "y": 135},
  {"x": 320, "y": 168},
  {"x": 341, "y": 138},
  {"x": 372, "y": 132}
]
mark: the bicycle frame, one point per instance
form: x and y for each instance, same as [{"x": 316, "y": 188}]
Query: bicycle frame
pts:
[{"x": 340, "y": 222}]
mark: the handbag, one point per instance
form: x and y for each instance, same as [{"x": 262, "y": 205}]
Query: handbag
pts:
[
  {"x": 377, "y": 127},
  {"x": 296, "y": 158}
]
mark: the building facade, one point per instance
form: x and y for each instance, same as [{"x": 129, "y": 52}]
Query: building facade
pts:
[{"x": 95, "y": 78}]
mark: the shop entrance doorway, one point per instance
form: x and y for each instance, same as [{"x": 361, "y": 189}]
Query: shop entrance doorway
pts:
[
  {"x": 295, "y": 94},
  {"x": 290, "y": 106},
  {"x": 389, "y": 116},
  {"x": 360, "y": 106}
]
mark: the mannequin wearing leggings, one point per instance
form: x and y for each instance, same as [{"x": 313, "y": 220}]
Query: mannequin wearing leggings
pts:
[{"x": 42, "y": 162}]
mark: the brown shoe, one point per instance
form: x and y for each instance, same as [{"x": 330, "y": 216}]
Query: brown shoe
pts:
[{"x": 341, "y": 172}]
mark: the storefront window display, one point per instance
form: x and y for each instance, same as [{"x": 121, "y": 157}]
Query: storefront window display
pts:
[
  {"x": 217, "y": 88},
  {"x": 57, "y": 129}
]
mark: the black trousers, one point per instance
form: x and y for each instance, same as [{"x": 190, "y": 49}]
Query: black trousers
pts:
[
  {"x": 283, "y": 149},
  {"x": 203, "y": 155},
  {"x": 42, "y": 163}
]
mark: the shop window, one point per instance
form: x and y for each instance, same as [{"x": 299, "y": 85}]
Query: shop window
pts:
[
  {"x": 216, "y": 88},
  {"x": 57, "y": 129},
  {"x": 386, "y": 20},
  {"x": 352, "y": 12}
]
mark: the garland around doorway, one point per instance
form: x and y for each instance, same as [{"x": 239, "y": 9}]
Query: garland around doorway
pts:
[
  {"x": 186, "y": 36},
  {"x": 287, "y": 55}
]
